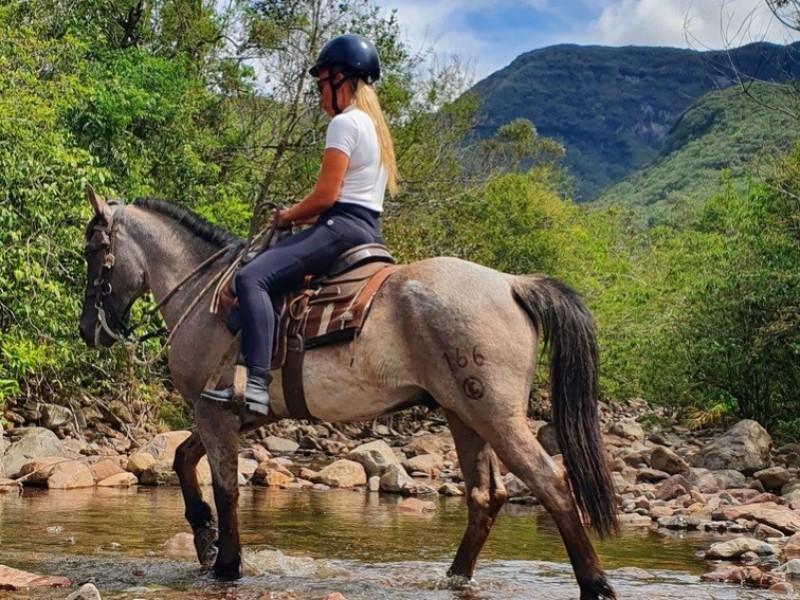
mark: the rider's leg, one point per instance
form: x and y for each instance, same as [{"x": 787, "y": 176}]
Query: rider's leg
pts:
[{"x": 273, "y": 272}]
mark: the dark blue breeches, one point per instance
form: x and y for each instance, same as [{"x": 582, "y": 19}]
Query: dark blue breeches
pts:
[{"x": 282, "y": 268}]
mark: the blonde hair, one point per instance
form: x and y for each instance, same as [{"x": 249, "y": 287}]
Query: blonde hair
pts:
[{"x": 366, "y": 99}]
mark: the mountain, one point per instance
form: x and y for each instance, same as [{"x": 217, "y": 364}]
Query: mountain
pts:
[
  {"x": 726, "y": 131},
  {"x": 612, "y": 107}
]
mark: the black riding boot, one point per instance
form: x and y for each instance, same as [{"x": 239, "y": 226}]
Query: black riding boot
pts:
[{"x": 256, "y": 394}]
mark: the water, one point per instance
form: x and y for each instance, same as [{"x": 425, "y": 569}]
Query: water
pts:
[{"x": 303, "y": 545}]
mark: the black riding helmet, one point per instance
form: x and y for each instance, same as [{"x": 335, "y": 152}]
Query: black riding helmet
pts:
[{"x": 356, "y": 56}]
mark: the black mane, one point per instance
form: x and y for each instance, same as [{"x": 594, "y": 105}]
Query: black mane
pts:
[{"x": 197, "y": 225}]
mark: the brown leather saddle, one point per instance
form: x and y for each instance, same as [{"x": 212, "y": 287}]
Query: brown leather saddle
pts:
[{"x": 326, "y": 310}]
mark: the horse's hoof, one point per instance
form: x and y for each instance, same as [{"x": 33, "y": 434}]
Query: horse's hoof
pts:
[
  {"x": 228, "y": 572},
  {"x": 205, "y": 543}
]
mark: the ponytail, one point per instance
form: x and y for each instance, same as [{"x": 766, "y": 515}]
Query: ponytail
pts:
[{"x": 366, "y": 99}]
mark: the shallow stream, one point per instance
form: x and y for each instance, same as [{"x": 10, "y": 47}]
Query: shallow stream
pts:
[{"x": 303, "y": 545}]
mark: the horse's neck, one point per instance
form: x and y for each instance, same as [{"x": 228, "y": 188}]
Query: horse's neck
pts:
[{"x": 171, "y": 254}]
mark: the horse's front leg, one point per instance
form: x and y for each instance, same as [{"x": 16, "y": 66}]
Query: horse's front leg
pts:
[
  {"x": 196, "y": 510},
  {"x": 218, "y": 427}
]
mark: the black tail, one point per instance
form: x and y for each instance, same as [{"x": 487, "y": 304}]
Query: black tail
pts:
[{"x": 567, "y": 328}]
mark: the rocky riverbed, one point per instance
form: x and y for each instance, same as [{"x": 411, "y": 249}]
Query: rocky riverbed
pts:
[{"x": 733, "y": 482}]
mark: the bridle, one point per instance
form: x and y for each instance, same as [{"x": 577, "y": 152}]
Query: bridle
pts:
[
  {"x": 101, "y": 286},
  {"x": 108, "y": 321}
]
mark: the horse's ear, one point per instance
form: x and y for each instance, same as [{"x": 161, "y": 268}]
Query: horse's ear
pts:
[{"x": 98, "y": 204}]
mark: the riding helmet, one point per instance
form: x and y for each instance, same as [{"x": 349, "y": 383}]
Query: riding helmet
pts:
[{"x": 356, "y": 54}]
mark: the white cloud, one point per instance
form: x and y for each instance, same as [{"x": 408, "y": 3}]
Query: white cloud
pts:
[
  {"x": 698, "y": 24},
  {"x": 701, "y": 24}
]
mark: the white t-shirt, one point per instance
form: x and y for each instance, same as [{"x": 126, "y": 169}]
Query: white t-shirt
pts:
[{"x": 353, "y": 132}]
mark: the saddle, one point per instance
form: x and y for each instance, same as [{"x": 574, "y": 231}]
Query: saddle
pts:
[{"x": 325, "y": 310}]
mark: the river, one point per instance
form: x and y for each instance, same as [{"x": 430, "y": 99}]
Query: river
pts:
[{"x": 303, "y": 545}]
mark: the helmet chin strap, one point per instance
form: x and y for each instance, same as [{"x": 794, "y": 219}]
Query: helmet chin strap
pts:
[{"x": 335, "y": 88}]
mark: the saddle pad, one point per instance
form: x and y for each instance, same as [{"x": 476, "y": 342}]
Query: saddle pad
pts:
[{"x": 329, "y": 310}]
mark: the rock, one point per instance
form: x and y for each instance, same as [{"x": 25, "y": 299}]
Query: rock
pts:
[
  {"x": 635, "y": 520},
  {"x": 395, "y": 480},
  {"x": 728, "y": 479},
  {"x": 737, "y": 547},
  {"x": 14, "y": 579},
  {"x": 430, "y": 464},
  {"x": 415, "y": 506},
  {"x": 55, "y": 416},
  {"x": 664, "y": 459},
  {"x": 123, "y": 479},
  {"x": 429, "y": 444},
  {"x": 139, "y": 462},
  {"x": 791, "y": 568},
  {"x": 779, "y": 517},
  {"x": 745, "y": 447},
  {"x": 9, "y": 486},
  {"x": 55, "y": 472},
  {"x": 269, "y": 474},
  {"x": 105, "y": 468},
  {"x": 280, "y": 445},
  {"x": 675, "y": 486},
  {"x": 547, "y": 438},
  {"x": 342, "y": 474},
  {"x": 515, "y": 487},
  {"x": 86, "y": 592},
  {"x": 450, "y": 489},
  {"x": 162, "y": 447},
  {"x": 774, "y": 478},
  {"x": 651, "y": 475},
  {"x": 334, "y": 596},
  {"x": 704, "y": 480},
  {"x": 180, "y": 545},
  {"x": 34, "y": 442},
  {"x": 628, "y": 429},
  {"x": 791, "y": 549},
  {"x": 375, "y": 457},
  {"x": 159, "y": 473},
  {"x": 752, "y": 576}
]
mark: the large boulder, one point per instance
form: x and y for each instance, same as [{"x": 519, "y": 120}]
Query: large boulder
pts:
[
  {"x": 14, "y": 579},
  {"x": 32, "y": 443},
  {"x": 745, "y": 447},
  {"x": 664, "y": 459},
  {"x": 627, "y": 429},
  {"x": 162, "y": 447},
  {"x": 342, "y": 474},
  {"x": 375, "y": 457}
]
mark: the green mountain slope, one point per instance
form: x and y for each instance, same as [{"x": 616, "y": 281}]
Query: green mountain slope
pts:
[
  {"x": 612, "y": 107},
  {"x": 726, "y": 131}
]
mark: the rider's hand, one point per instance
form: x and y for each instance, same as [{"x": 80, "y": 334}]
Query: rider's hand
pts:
[{"x": 282, "y": 223}]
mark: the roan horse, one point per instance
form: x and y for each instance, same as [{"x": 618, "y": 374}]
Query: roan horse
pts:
[{"x": 442, "y": 331}]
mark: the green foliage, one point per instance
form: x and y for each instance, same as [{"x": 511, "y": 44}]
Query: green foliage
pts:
[{"x": 721, "y": 137}]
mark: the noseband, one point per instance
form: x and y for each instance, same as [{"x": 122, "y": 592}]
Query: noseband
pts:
[{"x": 101, "y": 286}]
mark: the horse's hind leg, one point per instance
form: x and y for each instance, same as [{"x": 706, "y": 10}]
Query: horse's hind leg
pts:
[
  {"x": 519, "y": 450},
  {"x": 197, "y": 511},
  {"x": 485, "y": 491}
]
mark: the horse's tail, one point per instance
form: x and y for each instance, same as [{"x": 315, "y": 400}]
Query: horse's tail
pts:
[{"x": 567, "y": 327}]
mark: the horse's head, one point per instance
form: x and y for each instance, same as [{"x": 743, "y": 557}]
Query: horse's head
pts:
[{"x": 115, "y": 275}]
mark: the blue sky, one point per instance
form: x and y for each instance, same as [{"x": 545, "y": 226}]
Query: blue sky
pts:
[{"x": 489, "y": 34}]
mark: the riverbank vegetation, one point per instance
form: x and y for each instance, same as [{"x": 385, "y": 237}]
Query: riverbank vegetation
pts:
[{"x": 207, "y": 104}]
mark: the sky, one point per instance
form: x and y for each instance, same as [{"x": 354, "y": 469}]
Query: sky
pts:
[{"x": 490, "y": 34}]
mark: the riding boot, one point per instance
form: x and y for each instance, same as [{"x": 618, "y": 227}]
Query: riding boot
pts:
[{"x": 256, "y": 395}]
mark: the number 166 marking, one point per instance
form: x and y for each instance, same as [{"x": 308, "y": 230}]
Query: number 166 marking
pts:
[{"x": 458, "y": 359}]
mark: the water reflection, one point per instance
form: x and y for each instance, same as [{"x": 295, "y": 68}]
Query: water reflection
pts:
[{"x": 302, "y": 545}]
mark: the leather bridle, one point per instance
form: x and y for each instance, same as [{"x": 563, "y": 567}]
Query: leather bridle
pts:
[{"x": 108, "y": 320}]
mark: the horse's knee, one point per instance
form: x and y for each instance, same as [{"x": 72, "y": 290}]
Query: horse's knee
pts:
[{"x": 479, "y": 499}]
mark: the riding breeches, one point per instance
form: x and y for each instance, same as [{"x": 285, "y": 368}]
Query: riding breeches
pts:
[{"x": 281, "y": 268}]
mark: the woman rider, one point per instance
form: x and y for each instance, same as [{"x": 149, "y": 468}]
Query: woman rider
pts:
[{"x": 345, "y": 205}]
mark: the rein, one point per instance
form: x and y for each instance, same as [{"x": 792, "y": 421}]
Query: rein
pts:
[{"x": 102, "y": 286}]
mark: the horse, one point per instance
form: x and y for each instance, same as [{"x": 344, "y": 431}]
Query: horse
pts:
[{"x": 442, "y": 331}]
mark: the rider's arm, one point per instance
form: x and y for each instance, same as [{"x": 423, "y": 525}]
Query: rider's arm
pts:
[{"x": 325, "y": 192}]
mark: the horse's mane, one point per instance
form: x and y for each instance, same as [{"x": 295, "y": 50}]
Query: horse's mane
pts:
[{"x": 197, "y": 225}]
